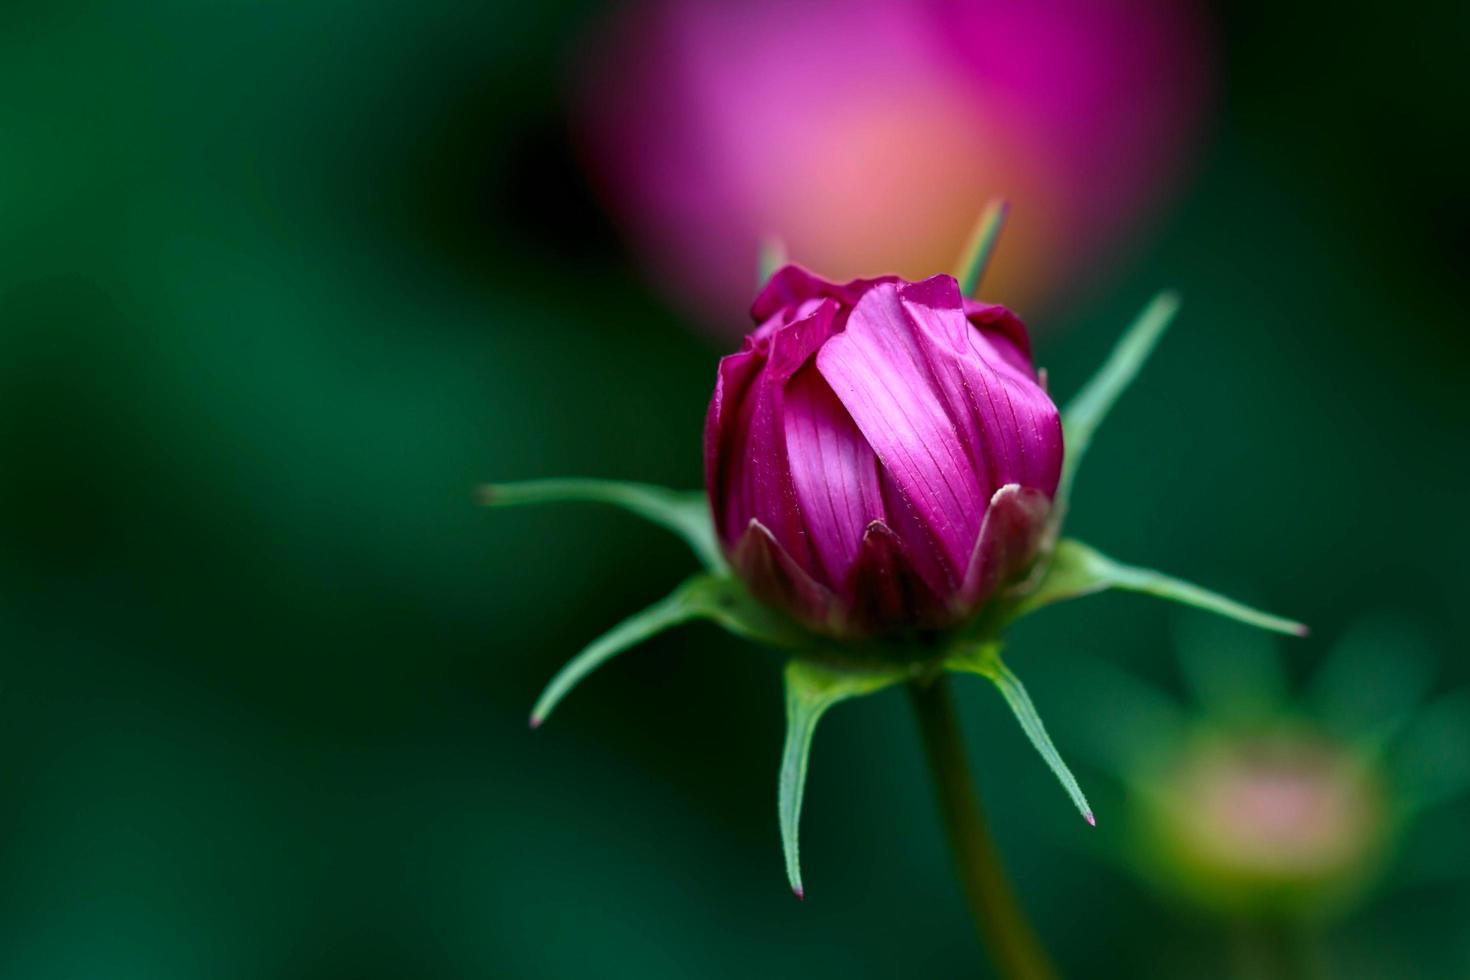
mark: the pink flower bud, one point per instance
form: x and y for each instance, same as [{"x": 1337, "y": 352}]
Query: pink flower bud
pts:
[{"x": 879, "y": 455}]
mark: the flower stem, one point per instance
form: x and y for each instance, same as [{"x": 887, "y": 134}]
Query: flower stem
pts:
[
  {"x": 1007, "y": 935},
  {"x": 1265, "y": 950}
]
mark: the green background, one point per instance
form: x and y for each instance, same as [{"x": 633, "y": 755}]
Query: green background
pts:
[{"x": 280, "y": 282}]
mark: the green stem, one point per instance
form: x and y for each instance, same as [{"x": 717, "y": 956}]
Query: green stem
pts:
[
  {"x": 1276, "y": 951},
  {"x": 1007, "y": 935}
]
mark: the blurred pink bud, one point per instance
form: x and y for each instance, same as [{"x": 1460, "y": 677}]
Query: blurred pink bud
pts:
[
  {"x": 879, "y": 455},
  {"x": 867, "y": 134},
  {"x": 1278, "y": 822}
]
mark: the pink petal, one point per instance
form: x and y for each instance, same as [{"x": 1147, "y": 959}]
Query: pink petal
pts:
[
  {"x": 1007, "y": 422},
  {"x": 721, "y": 432},
  {"x": 791, "y": 285},
  {"x": 747, "y": 469},
  {"x": 923, "y": 548},
  {"x": 1010, "y": 536},
  {"x": 879, "y": 369},
  {"x": 885, "y": 591},
  {"x": 775, "y": 578},
  {"x": 1005, "y": 331},
  {"x": 834, "y": 472}
]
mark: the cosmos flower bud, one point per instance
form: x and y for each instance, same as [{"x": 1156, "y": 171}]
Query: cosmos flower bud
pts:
[
  {"x": 881, "y": 461},
  {"x": 1279, "y": 824},
  {"x": 879, "y": 455}
]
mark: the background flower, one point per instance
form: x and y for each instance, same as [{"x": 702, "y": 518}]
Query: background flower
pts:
[
  {"x": 1278, "y": 815},
  {"x": 867, "y": 134}
]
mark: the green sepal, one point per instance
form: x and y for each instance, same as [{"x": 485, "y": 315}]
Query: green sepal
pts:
[
  {"x": 771, "y": 259},
  {"x": 1075, "y": 570},
  {"x": 685, "y": 512},
  {"x": 985, "y": 661},
  {"x": 717, "y": 598},
  {"x": 812, "y": 688},
  {"x": 1087, "y": 409},
  {"x": 981, "y": 246}
]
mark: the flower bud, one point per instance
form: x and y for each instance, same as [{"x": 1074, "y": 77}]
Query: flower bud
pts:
[
  {"x": 1286, "y": 823},
  {"x": 879, "y": 455}
]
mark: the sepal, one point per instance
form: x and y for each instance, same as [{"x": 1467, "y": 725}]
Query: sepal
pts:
[
  {"x": 685, "y": 512},
  {"x": 812, "y": 688},
  {"x": 1087, "y": 409},
  {"x": 984, "y": 660},
  {"x": 719, "y": 599},
  {"x": 769, "y": 260},
  {"x": 978, "y": 249},
  {"x": 1075, "y": 570}
]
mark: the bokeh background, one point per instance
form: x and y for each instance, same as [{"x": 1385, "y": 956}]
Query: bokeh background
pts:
[{"x": 281, "y": 282}]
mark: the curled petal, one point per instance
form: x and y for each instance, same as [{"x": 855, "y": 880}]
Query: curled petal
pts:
[
  {"x": 748, "y": 470},
  {"x": 732, "y": 380},
  {"x": 885, "y": 591},
  {"x": 792, "y": 286},
  {"x": 790, "y": 345},
  {"x": 775, "y": 578},
  {"x": 879, "y": 372},
  {"x": 1010, "y": 536},
  {"x": 923, "y": 548},
  {"x": 1012, "y": 429},
  {"x": 834, "y": 472},
  {"x": 1005, "y": 332}
]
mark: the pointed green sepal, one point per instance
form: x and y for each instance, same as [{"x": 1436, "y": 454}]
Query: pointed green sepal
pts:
[
  {"x": 985, "y": 661},
  {"x": 1077, "y": 570},
  {"x": 812, "y": 688},
  {"x": 981, "y": 246},
  {"x": 725, "y": 600},
  {"x": 1086, "y": 411},
  {"x": 685, "y": 512},
  {"x": 770, "y": 261},
  {"x": 662, "y": 615},
  {"x": 716, "y": 598}
]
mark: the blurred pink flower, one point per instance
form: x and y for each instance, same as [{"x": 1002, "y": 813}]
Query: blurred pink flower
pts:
[{"x": 867, "y": 134}]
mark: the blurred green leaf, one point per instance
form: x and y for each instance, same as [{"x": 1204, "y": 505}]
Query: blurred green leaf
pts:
[
  {"x": 1087, "y": 409},
  {"x": 685, "y": 512},
  {"x": 1120, "y": 719},
  {"x": 985, "y": 661},
  {"x": 812, "y": 688},
  {"x": 1236, "y": 675},
  {"x": 1374, "y": 678},
  {"x": 1432, "y": 756},
  {"x": 1077, "y": 570}
]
